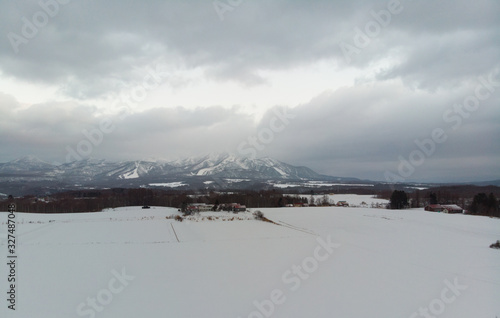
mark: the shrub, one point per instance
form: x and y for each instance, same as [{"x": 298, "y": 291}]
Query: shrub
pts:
[
  {"x": 258, "y": 215},
  {"x": 495, "y": 245}
]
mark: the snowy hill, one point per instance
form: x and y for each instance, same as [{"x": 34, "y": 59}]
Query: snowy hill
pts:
[
  {"x": 314, "y": 262},
  {"x": 222, "y": 165},
  {"x": 230, "y": 166},
  {"x": 25, "y": 165},
  {"x": 213, "y": 170}
]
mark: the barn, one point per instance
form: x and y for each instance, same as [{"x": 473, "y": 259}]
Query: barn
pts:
[{"x": 445, "y": 208}]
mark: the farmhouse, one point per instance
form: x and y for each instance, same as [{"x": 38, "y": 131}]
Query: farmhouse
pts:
[
  {"x": 434, "y": 208},
  {"x": 446, "y": 208},
  {"x": 452, "y": 208},
  {"x": 233, "y": 207}
]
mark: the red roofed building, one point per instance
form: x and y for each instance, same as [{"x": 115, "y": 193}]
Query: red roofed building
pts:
[{"x": 445, "y": 208}]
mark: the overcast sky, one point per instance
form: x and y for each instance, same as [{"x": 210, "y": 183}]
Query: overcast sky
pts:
[{"x": 383, "y": 90}]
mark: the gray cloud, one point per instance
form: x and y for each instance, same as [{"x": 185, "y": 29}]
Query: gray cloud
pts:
[
  {"x": 89, "y": 44},
  {"x": 363, "y": 131},
  {"x": 425, "y": 60},
  {"x": 49, "y": 130}
]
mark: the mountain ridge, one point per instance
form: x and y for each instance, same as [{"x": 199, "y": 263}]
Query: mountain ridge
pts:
[
  {"x": 212, "y": 172},
  {"x": 215, "y": 170}
]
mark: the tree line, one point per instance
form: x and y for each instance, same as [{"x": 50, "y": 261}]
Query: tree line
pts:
[
  {"x": 481, "y": 204},
  {"x": 97, "y": 200},
  {"x": 93, "y": 200}
]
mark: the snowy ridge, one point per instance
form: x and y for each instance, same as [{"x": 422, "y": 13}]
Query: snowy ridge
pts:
[
  {"x": 28, "y": 163},
  {"x": 229, "y": 165},
  {"x": 189, "y": 172}
]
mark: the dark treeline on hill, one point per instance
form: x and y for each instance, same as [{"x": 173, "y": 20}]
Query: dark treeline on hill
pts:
[
  {"x": 485, "y": 205},
  {"x": 460, "y": 194},
  {"x": 466, "y": 197},
  {"x": 97, "y": 200},
  {"x": 481, "y": 200}
]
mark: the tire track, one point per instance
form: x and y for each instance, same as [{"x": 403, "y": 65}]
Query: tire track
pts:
[
  {"x": 172, "y": 225},
  {"x": 293, "y": 227}
]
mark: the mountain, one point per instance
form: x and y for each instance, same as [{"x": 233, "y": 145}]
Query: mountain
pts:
[
  {"x": 487, "y": 183},
  {"x": 30, "y": 174},
  {"x": 230, "y": 166},
  {"x": 25, "y": 165}
]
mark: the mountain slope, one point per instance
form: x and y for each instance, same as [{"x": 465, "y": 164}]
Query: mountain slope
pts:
[
  {"x": 216, "y": 170},
  {"x": 230, "y": 166},
  {"x": 25, "y": 165}
]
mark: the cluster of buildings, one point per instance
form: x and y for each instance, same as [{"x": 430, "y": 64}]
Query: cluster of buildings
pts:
[
  {"x": 236, "y": 207},
  {"x": 302, "y": 205},
  {"x": 297, "y": 205},
  {"x": 203, "y": 207}
]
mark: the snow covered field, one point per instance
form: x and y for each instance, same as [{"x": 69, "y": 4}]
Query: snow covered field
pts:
[{"x": 320, "y": 262}]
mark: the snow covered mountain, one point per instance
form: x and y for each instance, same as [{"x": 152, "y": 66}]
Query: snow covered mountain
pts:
[
  {"x": 215, "y": 169},
  {"x": 25, "y": 165},
  {"x": 230, "y": 166}
]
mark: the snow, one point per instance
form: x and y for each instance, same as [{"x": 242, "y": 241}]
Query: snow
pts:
[
  {"x": 383, "y": 263},
  {"x": 169, "y": 184},
  {"x": 236, "y": 180},
  {"x": 205, "y": 171},
  {"x": 285, "y": 185},
  {"x": 281, "y": 172},
  {"x": 317, "y": 184},
  {"x": 130, "y": 175}
]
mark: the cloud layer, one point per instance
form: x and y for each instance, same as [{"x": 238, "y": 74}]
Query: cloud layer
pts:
[{"x": 365, "y": 83}]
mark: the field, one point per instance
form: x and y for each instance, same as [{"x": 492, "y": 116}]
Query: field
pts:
[{"x": 313, "y": 262}]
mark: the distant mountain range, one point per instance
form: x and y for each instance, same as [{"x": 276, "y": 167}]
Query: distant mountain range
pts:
[{"x": 30, "y": 175}]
